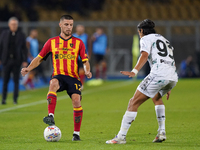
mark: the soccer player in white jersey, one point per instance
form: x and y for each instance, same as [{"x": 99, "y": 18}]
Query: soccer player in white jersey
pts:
[{"x": 160, "y": 81}]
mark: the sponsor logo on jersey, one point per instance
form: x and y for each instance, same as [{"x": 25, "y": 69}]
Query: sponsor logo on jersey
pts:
[
  {"x": 165, "y": 62},
  {"x": 64, "y": 56},
  {"x": 65, "y": 49}
]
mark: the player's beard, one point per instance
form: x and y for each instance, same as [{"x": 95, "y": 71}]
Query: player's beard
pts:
[{"x": 67, "y": 33}]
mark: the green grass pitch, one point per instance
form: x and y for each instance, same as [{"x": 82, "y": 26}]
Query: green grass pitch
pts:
[{"x": 21, "y": 126}]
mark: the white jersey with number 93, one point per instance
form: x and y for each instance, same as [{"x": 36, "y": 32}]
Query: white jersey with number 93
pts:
[{"x": 160, "y": 58}]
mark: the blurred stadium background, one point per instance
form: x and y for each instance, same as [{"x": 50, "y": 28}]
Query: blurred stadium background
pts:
[{"x": 177, "y": 20}]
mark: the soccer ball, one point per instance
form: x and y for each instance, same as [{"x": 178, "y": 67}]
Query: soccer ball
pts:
[{"x": 52, "y": 134}]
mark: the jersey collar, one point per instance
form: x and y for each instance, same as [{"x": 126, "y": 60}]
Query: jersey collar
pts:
[{"x": 65, "y": 39}]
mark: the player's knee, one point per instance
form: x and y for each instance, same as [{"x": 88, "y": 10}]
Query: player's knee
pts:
[
  {"x": 158, "y": 102},
  {"x": 54, "y": 85},
  {"x": 157, "y": 99},
  {"x": 135, "y": 102},
  {"x": 76, "y": 100}
]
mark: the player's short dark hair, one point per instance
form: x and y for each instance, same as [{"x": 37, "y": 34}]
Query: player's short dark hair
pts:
[
  {"x": 67, "y": 17},
  {"x": 147, "y": 26}
]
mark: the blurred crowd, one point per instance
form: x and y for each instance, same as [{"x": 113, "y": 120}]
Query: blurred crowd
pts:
[
  {"x": 83, "y": 7},
  {"x": 188, "y": 68}
]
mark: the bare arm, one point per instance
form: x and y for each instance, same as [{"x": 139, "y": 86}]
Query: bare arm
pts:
[
  {"x": 86, "y": 66},
  {"x": 34, "y": 63},
  {"x": 141, "y": 61}
]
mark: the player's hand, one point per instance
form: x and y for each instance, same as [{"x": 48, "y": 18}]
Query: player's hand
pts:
[
  {"x": 168, "y": 94},
  {"x": 88, "y": 74},
  {"x": 24, "y": 71},
  {"x": 127, "y": 73}
]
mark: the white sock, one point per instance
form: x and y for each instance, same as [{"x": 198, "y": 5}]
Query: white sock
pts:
[
  {"x": 160, "y": 114},
  {"x": 76, "y": 132},
  {"x": 128, "y": 118},
  {"x": 51, "y": 114}
]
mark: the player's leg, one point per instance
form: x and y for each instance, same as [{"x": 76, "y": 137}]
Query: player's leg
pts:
[
  {"x": 6, "y": 77},
  {"x": 129, "y": 117},
  {"x": 160, "y": 110},
  {"x": 16, "y": 73},
  {"x": 74, "y": 91},
  {"x": 31, "y": 78},
  {"x": 160, "y": 115},
  {"x": 51, "y": 98},
  {"x": 97, "y": 67},
  {"x": 78, "y": 114},
  {"x": 97, "y": 71},
  {"x": 145, "y": 90},
  {"x": 104, "y": 69}
]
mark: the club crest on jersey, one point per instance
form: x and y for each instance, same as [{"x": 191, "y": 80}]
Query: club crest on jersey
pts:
[{"x": 71, "y": 45}]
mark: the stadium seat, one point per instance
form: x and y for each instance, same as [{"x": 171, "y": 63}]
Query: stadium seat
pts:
[{"x": 116, "y": 10}]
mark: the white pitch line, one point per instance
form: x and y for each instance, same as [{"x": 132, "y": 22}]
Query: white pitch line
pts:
[{"x": 120, "y": 84}]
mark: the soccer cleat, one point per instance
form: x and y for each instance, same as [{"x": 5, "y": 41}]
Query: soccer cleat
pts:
[
  {"x": 161, "y": 136},
  {"x": 116, "y": 140},
  {"x": 76, "y": 137},
  {"x": 49, "y": 120}
]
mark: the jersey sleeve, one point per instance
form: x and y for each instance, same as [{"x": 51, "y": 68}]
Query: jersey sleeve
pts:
[
  {"x": 45, "y": 50},
  {"x": 82, "y": 52},
  {"x": 145, "y": 45}
]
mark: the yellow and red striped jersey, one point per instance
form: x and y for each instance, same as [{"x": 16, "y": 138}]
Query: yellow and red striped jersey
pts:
[{"x": 65, "y": 54}]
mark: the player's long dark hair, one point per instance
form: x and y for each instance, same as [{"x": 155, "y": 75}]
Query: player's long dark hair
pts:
[{"x": 147, "y": 26}]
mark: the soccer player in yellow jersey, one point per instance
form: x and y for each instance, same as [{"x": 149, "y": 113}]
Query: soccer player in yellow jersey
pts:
[{"x": 65, "y": 50}]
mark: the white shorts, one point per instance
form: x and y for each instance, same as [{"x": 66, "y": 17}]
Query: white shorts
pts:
[{"x": 151, "y": 85}]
